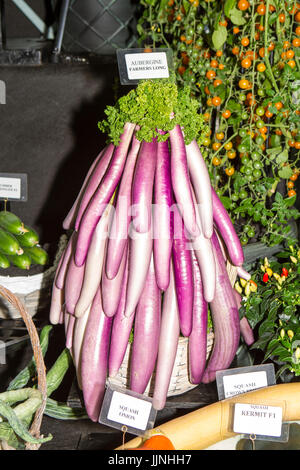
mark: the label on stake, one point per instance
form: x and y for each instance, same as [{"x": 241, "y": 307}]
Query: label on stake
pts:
[
  {"x": 125, "y": 408},
  {"x": 143, "y": 64},
  {"x": 13, "y": 186},
  {"x": 231, "y": 382},
  {"x": 262, "y": 420}
]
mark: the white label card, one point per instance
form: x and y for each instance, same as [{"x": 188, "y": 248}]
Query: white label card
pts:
[
  {"x": 129, "y": 410},
  {"x": 255, "y": 419},
  {"x": 13, "y": 186},
  {"x": 146, "y": 66},
  {"x": 10, "y": 188},
  {"x": 240, "y": 383}
]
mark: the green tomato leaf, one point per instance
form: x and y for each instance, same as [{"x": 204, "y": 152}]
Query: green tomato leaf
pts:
[
  {"x": 219, "y": 37},
  {"x": 282, "y": 157},
  {"x": 236, "y": 17},
  {"x": 290, "y": 201},
  {"x": 226, "y": 202},
  {"x": 229, "y": 5},
  {"x": 285, "y": 172}
]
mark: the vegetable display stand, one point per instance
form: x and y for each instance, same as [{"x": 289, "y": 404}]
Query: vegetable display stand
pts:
[
  {"x": 151, "y": 255},
  {"x": 32, "y": 437}
]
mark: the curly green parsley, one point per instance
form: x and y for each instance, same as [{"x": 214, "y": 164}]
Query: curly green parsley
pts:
[{"x": 155, "y": 105}]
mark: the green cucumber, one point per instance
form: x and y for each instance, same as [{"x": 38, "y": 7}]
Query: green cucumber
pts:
[
  {"x": 22, "y": 261},
  {"x": 37, "y": 254},
  {"x": 9, "y": 244},
  {"x": 4, "y": 262},
  {"x": 29, "y": 238},
  {"x": 11, "y": 222}
]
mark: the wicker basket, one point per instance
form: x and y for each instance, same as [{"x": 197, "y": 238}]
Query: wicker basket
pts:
[
  {"x": 33, "y": 291},
  {"x": 34, "y": 430},
  {"x": 179, "y": 382}
]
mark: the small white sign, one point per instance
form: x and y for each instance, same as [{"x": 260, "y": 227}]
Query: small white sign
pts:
[
  {"x": 129, "y": 410},
  {"x": 241, "y": 383},
  {"x": 263, "y": 420},
  {"x": 142, "y": 66},
  {"x": 10, "y": 188}
]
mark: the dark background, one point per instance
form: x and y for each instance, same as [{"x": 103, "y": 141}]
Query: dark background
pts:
[{"x": 48, "y": 126}]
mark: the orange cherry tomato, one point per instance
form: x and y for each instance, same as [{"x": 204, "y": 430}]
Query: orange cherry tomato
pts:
[
  {"x": 245, "y": 41},
  {"x": 226, "y": 114},
  {"x": 246, "y": 63},
  {"x": 261, "y": 9},
  {"x": 210, "y": 74},
  {"x": 243, "y": 5}
]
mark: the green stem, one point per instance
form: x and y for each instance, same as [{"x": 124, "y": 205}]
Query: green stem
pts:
[
  {"x": 222, "y": 146},
  {"x": 268, "y": 65}
]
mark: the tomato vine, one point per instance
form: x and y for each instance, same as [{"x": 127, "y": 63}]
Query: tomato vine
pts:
[{"x": 241, "y": 60}]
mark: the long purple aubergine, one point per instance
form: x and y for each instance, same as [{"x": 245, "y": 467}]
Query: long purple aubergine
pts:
[
  {"x": 183, "y": 274},
  {"x": 142, "y": 186},
  {"x": 94, "y": 263},
  {"x": 203, "y": 249},
  {"x": 181, "y": 183},
  {"x": 197, "y": 348},
  {"x": 61, "y": 269},
  {"x": 146, "y": 334},
  {"x": 140, "y": 252},
  {"x": 168, "y": 344},
  {"x": 94, "y": 358},
  {"x": 226, "y": 229},
  {"x": 246, "y": 330},
  {"x": 78, "y": 335},
  {"x": 225, "y": 317},
  {"x": 120, "y": 333},
  {"x": 111, "y": 289},
  {"x": 94, "y": 181},
  {"x": 162, "y": 216},
  {"x": 122, "y": 217},
  {"x": 73, "y": 283},
  {"x": 69, "y": 220},
  {"x": 56, "y": 304},
  {"x": 102, "y": 195},
  {"x": 202, "y": 186}
]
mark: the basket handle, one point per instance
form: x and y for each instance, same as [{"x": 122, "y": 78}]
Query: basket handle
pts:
[{"x": 39, "y": 361}]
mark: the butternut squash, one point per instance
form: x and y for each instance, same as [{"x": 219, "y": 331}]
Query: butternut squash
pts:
[{"x": 201, "y": 428}]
